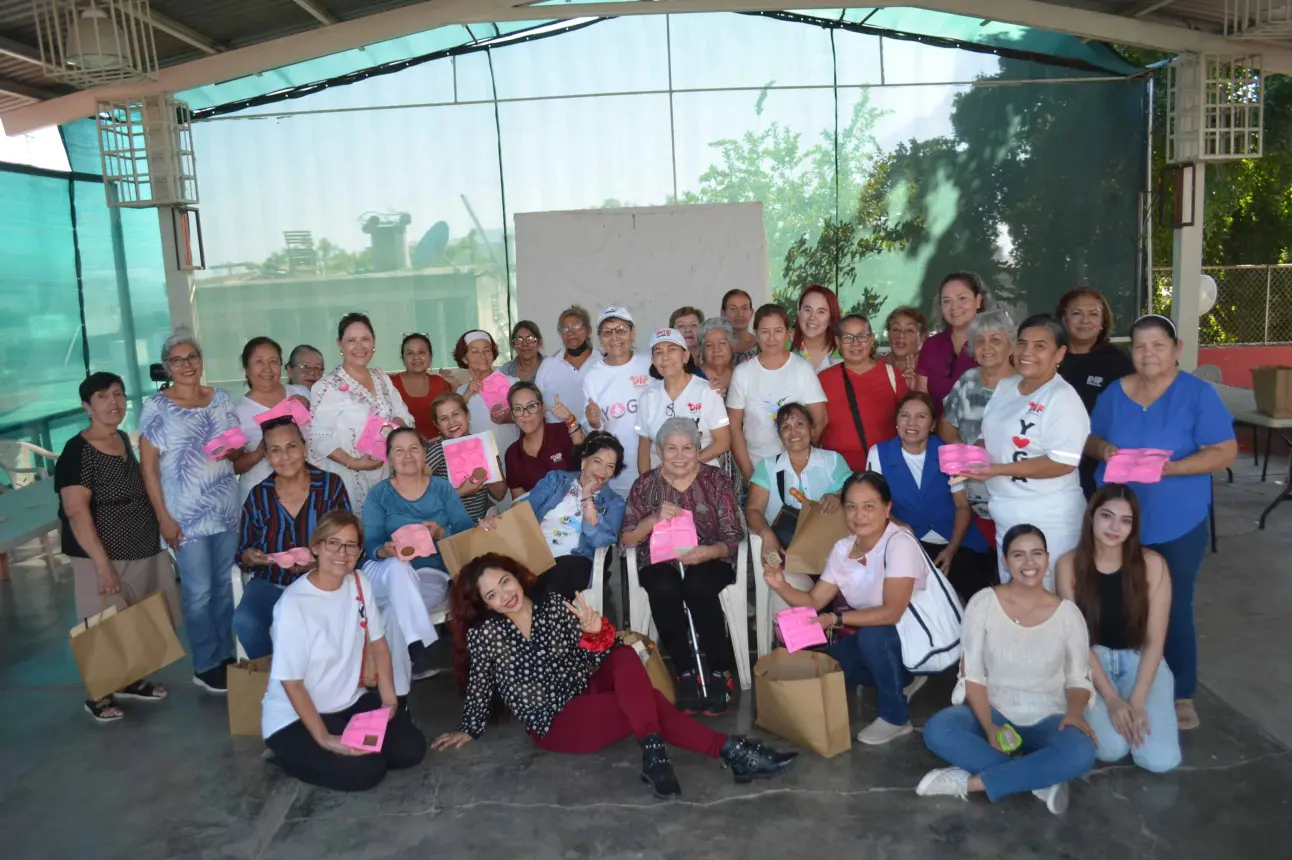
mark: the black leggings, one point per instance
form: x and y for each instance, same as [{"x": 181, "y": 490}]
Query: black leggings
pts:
[
  {"x": 699, "y": 589},
  {"x": 572, "y": 573},
  {"x": 300, "y": 756}
]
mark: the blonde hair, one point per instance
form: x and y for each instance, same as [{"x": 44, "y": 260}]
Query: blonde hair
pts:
[{"x": 331, "y": 523}]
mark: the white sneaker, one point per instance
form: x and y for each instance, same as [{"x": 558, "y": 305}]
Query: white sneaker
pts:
[
  {"x": 1055, "y": 797},
  {"x": 881, "y": 732},
  {"x": 914, "y": 687},
  {"x": 948, "y": 781}
]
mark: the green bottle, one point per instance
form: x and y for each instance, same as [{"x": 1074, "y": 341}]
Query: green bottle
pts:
[{"x": 1008, "y": 739}]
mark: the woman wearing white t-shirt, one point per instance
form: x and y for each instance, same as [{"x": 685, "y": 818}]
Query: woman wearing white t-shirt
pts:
[
  {"x": 765, "y": 383},
  {"x": 262, "y": 362},
  {"x": 679, "y": 393},
  {"x": 322, "y": 625},
  {"x": 876, "y": 569},
  {"x": 1034, "y": 429},
  {"x": 612, "y": 389},
  {"x": 475, "y": 353}
]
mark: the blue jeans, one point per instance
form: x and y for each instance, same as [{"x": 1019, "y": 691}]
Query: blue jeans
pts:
[
  {"x": 1049, "y": 756},
  {"x": 873, "y": 657},
  {"x": 254, "y": 617},
  {"x": 1161, "y": 749},
  {"x": 1183, "y": 559},
  {"x": 205, "y": 564}
]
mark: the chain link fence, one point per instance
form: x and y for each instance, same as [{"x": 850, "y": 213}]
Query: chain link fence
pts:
[{"x": 1253, "y": 304}]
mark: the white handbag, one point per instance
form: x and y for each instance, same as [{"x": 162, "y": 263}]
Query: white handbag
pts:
[{"x": 930, "y": 626}]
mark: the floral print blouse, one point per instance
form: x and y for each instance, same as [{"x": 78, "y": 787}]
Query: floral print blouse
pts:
[
  {"x": 710, "y": 498},
  {"x": 201, "y": 494},
  {"x": 340, "y": 406},
  {"x": 535, "y": 677}
]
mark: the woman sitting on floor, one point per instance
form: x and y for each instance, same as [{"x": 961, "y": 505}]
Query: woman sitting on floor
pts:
[
  {"x": 1124, "y": 592},
  {"x": 578, "y": 513},
  {"x": 555, "y": 666},
  {"x": 322, "y": 626},
  {"x": 876, "y": 569},
  {"x": 279, "y": 514},
  {"x": 682, "y": 482},
  {"x": 410, "y": 589},
  {"x": 1026, "y": 668}
]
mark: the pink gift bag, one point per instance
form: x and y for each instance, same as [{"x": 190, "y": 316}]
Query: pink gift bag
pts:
[
  {"x": 372, "y": 441},
  {"x": 413, "y": 541},
  {"x": 669, "y": 537},
  {"x": 288, "y": 407},
  {"x": 229, "y": 440}
]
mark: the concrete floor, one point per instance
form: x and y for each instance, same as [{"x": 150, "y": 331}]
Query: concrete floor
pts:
[{"x": 169, "y": 782}]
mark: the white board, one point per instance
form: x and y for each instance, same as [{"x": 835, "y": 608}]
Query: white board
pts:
[{"x": 652, "y": 260}]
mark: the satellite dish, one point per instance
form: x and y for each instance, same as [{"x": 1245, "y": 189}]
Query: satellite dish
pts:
[
  {"x": 1206, "y": 294},
  {"x": 430, "y": 250}
]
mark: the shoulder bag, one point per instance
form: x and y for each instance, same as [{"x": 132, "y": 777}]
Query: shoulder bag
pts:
[{"x": 930, "y": 626}]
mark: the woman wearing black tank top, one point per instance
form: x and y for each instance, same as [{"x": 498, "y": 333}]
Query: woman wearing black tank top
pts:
[{"x": 1124, "y": 592}]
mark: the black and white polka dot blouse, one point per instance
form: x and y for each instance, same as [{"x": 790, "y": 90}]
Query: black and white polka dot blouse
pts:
[{"x": 536, "y": 677}]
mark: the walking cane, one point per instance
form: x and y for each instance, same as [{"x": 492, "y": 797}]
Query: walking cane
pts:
[{"x": 695, "y": 641}]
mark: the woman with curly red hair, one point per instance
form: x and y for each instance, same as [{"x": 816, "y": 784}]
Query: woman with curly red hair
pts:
[{"x": 575, "y": 691}]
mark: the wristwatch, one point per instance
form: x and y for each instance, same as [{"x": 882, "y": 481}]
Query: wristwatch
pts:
[{"x": 838, "y": 619}]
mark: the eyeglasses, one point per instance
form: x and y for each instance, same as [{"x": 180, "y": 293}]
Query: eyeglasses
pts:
[
  {"x": 347, "y": 547},
  {"x": 616, "y": 331},
  {"x": 856, "y": 338},
  {"x": 192, "y": 360},
  {"x": 524, "y": 340},
  {"x": 571, "y": 328},
  {"x": 308, "y": 368},
  {"x": 527, "y": 409}
]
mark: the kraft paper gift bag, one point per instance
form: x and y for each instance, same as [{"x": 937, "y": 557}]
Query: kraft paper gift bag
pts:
[
  {"x": 516, "y": 533},
  {"x": 803, "y": 698},
  {"x": 660, "y": 677},
  {"x": 114, "y": 649},
  {"x": 248, "y": 680},
  {"x": 815, "y": 536}
]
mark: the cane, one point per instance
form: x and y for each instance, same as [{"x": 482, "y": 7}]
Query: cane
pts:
[{"x": 695, "y": 641}]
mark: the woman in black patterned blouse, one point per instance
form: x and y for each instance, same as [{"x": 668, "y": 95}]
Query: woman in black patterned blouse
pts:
[{"x": 575, "y": 691}]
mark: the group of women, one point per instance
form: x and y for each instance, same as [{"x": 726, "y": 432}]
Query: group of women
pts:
[{"x": 739, "y": 419}]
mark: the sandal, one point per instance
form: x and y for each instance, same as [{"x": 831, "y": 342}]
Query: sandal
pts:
[
  {"x": 144, "y": 690},
  {"x": 104, "y": 710}
]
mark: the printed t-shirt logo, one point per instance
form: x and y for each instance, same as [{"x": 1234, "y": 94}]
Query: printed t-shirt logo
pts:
[{"x": 641, "y": 381}]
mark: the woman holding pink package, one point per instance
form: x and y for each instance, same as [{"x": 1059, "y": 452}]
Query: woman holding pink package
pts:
[
  {"x": 343, "y": 403},
  {"x": 262, "y": 362},
  {"x": 486, "y": 393},
  {"x": 1157, "y": 406}
]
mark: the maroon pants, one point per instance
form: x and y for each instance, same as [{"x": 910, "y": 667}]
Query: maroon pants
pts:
[{"x": 619, "y": 702}]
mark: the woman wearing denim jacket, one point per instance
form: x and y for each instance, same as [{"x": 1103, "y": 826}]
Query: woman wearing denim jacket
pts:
[{"x": 578, "y": 513}]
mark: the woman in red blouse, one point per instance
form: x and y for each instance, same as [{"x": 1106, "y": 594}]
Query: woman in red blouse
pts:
[
  {"x": 555, "y": 666},
  {"x": 682, "y": 482},
  {"x": 860, "y": 395},
  {"x": 417, "y": 385}
]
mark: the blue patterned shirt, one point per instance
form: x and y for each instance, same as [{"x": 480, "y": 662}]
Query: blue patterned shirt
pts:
[
  {"x": 201, "y": 493},
  {"x": 270, "y": 528}
]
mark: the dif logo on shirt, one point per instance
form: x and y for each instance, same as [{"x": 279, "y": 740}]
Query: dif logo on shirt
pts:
[{"x": 642, "y": 381}]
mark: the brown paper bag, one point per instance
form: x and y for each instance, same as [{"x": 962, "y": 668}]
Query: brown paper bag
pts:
[
  {"x": 814, "y": 537},
  {"x": 660, "y": 677},
  {"x": 248, "y": 680},
  {"x": 1272, "y": 387},
  {"x": 115, "y": 649},
  {"x": 515, "y": 533},
  {"x": 802, "y": 697}
]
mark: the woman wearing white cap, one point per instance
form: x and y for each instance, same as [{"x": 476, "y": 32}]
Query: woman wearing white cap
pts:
[
  {"x": 679, "y": 393},
  {"x": 476, "y": 352},
  {"x": 612, "y": 388}
]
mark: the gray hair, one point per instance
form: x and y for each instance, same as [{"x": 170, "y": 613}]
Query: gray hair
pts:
[
  {"x": 179, "y": 336},
  {"x": 996, "y": 319},
  {"x": 721, "y": 324},
  {"x": 294, "y": 359},
  {"x": 678, "y": 427}
]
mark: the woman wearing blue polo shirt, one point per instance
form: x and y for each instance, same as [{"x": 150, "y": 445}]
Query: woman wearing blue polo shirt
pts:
[{"x": 1157, "y": 406}]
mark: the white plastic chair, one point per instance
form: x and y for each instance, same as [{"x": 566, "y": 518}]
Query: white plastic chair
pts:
[
  {"x": 734, "y": 600},
  {"x": 595, "y": 594},
  {"x": 238, "y": 586},
  {"x": 762, "y": 597}
]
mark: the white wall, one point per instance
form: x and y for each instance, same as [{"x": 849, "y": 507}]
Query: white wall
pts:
[{"x": 651, "y": 260}]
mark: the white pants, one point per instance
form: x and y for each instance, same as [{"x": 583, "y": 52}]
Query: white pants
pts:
[
  {"x": 402, "y": 599},
  {"x": 1061, "y": 532}
]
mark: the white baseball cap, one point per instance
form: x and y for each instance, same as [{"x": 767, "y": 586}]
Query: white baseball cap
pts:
[
  {"x": 615, "y": 313},
  {"x": 667, "y": 335}
]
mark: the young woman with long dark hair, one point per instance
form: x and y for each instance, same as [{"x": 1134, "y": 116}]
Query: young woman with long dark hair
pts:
[
  {"x": 1124, "y": 592},
  {"x": 556, "y": 668}
]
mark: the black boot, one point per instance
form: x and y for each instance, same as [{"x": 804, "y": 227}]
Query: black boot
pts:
[
  {"x": 719, "y": 695},
  {"x": 688, "y": 693},
  {"x": 657, "y": 770},
  {"x": 750, "y": 760}
]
